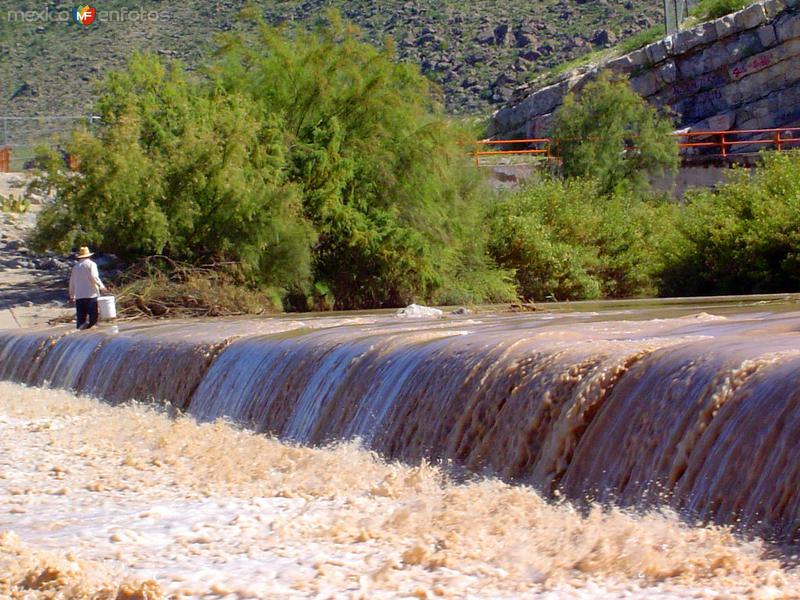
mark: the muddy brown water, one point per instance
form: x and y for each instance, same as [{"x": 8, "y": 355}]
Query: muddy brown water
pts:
[{"x": 684, "y": 411}]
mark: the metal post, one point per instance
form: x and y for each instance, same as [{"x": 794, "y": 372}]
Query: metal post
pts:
[
  {"x": 722, "y": 143},
  {"x": 778, "y": 141},
  {"x": 670, "y": 17},
  {"x": 675, "y": 12}
]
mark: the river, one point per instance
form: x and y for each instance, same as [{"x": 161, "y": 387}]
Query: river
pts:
[{"x": 597, "y": 451}]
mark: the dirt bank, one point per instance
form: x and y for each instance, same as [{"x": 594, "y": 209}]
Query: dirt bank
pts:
[{"x": 32, "y": 287}]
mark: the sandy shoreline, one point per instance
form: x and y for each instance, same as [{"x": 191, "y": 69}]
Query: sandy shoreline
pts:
[{"x": 28, "y": 295}]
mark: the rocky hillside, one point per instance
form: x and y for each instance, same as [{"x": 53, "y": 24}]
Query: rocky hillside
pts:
[
  {"x": 741, "y": 71},
  {"x": 478, "y": 51}
]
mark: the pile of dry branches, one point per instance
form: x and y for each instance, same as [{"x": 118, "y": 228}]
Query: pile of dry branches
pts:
[{"x": 159, "y": 287}]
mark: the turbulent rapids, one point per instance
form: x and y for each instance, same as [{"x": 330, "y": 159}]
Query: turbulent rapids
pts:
[
  {"x": 699, "y": 411},
  {"x": 692, "y": 411}
]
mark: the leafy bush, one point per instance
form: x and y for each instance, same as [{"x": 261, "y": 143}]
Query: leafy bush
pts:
[
  {"x": 743, "y": 237},
  {"x": 312, "y": 160},
  {"x": 597, "y": 128},
  {"x": 714, "y": 9},
  {"x": 641, "y": 39},
  {"x": 567, "y": 241},
  {"x": 14, "y": 204},
  {"x": 175, "y": 170}
]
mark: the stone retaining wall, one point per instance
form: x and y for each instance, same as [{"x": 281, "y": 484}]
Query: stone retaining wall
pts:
[{"x": 738, "y": 72}]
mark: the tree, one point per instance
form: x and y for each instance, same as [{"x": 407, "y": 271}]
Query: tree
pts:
[
  {"x": 381, "y": 170},
  {"x": 175, "y": 169},
  {"x": 609, "y": 133},
  {"x": 312, "y": 159},
  {"x": 741, "y": 238},
  {"x": 567, "y": 241}
]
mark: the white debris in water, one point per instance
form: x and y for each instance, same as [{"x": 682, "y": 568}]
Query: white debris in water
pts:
[
  {"x": 108, "y": 495},
  {"x": 417, "y": 311}
]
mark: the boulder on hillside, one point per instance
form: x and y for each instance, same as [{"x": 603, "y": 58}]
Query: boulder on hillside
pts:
[
  {"x": 502, "y": 94},
  {"x": 501, "y": 35},
  {"x": 603, "y": 37},
  {"x": 26, "y": 90},
  {"x": 524, "y": 38},
  {"x": 531, "y": 55},
  {"x": 485, "y": 37}
]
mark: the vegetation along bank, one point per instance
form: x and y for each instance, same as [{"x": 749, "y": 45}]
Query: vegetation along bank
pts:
[{"x": 314, "y": 169}]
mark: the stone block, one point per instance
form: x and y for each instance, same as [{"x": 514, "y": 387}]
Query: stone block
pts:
[
  {"x": 750, "y": 17},
  {"x": 629, "y": 63},
  {"x": 773, "y": 8},
  {"x": 701, "y": 108},
  {"x": 667, "y": 72},
  {"x": 501, "y": 121},
  {"x": 657, "y": 52},
  {"x": 669, "y": 44},
  {"x": 754, "y": 86},
  {"x": 544, "y": 100},
  {"x": 640, "y": 59},
  {"x": 753, "y": 64},
  {"x": 733, "y": 95},
  {"x": 713, "y": 80},
  {"x": 697, "y": 36},
  {"x": 719, "y": 122},
  {"x": 767, "y": 36},
  {"x": 792, "y": 99},
  {"x": 622, "y": 64},
  {"x": 742, "y": 46},
  {"x": 791, "y": 71},
  {"x": 788, "y": 27},
  {"x": 744, "y": 123},
  {"x": 578, "y": 80},
  {"x": 663, "y": 97},
  {"x": 646, "y": 84},
  {"x": 763, "y": 112},
  {"x": 724, "y": 26},
  {"x": 711, "y": 58},
  {"x": 539, "y": 127}
]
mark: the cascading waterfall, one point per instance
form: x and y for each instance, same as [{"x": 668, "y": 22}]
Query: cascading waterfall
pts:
[
  {"x": 20, "y": 354},
  {"x": 696, "y": 411}
]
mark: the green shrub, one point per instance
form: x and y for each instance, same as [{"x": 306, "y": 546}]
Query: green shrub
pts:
[
  {"x": 597, "y": 128},
  {"x": 567, "y": 241},
  {"x": 714, "y": 9},
  {"x": 177, "y": 170},
  {"x": 641, "y": 39},
  {"x": 743, "y": 237},
  {"x": 14, "y": 204},
  {"x": 312, "y": 160}
]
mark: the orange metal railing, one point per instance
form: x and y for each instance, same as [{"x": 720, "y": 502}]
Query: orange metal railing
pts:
[
  {"x": 5, "y": 160},
  {"x": 542, "y": 148},
  {"x": 724, "y": 142}
]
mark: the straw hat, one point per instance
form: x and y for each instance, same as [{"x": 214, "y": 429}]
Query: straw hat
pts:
[{"x": 83, "y": 252}]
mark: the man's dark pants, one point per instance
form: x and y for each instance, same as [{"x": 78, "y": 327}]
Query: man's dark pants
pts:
[{"x": 86, "y": 308}]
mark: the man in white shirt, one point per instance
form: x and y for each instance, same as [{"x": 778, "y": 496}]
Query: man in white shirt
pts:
[{"x": 84, "y": 288}]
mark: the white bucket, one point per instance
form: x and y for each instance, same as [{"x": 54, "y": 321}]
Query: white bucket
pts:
[{"x": 107, "y": 307}]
